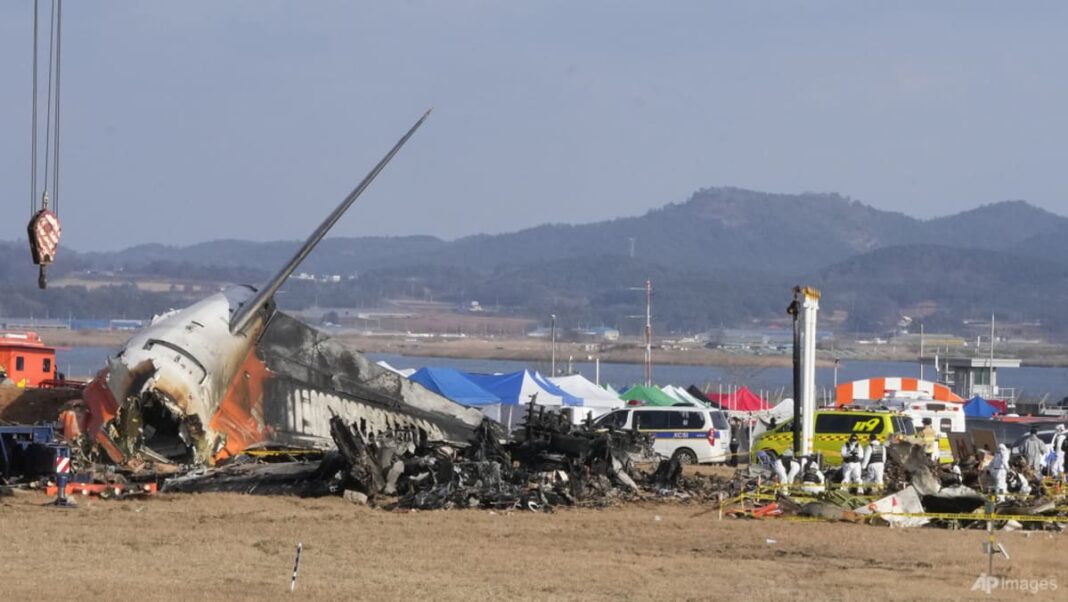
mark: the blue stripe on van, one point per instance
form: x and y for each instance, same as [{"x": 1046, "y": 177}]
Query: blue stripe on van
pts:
[{"x": 678, "y": 434}]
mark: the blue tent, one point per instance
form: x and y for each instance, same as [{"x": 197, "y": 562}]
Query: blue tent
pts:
[
  {"x": 454, "y": 385},
  {"x": 977, "y": 407},
  {"x": 515, "y": 388}
]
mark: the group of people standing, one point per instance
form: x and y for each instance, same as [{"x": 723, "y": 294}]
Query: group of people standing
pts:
[
  {"x": 861, "y": 465},
  {"x": 1041, "y": 458},
  {"x": 868, "y": 461},
  {"x": 865, "y": 465}
]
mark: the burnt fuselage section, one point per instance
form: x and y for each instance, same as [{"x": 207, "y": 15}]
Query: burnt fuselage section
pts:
[{"x": 186, "y": 390}]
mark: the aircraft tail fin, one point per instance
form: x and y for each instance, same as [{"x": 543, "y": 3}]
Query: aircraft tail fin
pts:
[{"x": 244, "y": 314}]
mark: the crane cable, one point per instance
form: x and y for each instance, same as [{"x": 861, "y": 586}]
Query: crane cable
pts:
[
  {"x": 44, "y": 228},
  {"x": 33, "y": 124}
]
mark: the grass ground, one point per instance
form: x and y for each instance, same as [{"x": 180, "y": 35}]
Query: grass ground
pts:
[{"x": 231, "y": 547}]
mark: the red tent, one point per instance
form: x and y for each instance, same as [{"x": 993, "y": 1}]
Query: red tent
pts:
[
  {"x": 742, "y": 400},
  {"x": 1003, "y": 408}
]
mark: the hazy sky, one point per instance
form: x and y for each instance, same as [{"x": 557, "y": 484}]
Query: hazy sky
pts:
[{"x": 185, "y": 121}]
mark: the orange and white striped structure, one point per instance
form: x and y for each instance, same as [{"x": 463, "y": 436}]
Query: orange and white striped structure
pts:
[{"x": 877, "y": 388}]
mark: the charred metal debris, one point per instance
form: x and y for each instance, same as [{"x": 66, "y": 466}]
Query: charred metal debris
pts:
[{"x": 545, "y": 464}]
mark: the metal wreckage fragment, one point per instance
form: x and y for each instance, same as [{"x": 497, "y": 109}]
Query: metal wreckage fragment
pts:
[{"x": 548, "y": 463}]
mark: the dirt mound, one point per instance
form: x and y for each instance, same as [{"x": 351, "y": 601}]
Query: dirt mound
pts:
[{"x": 30, "y": 406}]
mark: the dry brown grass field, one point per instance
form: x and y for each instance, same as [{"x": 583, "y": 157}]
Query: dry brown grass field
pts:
[{"x": 231, "y": 547}]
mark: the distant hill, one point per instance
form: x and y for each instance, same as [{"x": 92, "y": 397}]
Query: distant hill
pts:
[
  {"x": 1009, "y": 225},
  {"x": 716, "y": 229},
  {"x": 960, "y": 283},
  {"x": 724, "y": 257}
]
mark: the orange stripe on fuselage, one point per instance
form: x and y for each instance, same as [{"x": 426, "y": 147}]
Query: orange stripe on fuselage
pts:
[{"x": 240, "y": 415}]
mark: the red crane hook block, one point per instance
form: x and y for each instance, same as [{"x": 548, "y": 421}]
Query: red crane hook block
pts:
[{"x": 43, "y": 231}]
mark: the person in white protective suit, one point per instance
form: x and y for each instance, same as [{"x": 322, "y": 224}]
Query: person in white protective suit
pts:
[
  {"x": 1056, "y": 448},
  {"x": 852, "y": 456},
  {"x": 1017, "y": 483},
  {"x": 958, "y": 478},
  {"x": 811, "y": 477},
  {"x": 786, "y": 467},
  {"x": 874, "y": 462},
  {"x": 999, "y": 470}
]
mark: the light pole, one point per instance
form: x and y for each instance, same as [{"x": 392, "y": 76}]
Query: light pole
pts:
[{"x": 552, "y": 334}]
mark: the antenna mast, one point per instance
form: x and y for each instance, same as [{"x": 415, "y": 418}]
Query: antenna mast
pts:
[{"x": 648, "y": 333}]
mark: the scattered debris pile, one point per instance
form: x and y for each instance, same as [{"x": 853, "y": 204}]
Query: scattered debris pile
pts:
[{"x": 549, "y": 463}]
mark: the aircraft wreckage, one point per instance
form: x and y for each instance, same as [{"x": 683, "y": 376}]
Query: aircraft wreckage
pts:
[{"x": 201, "y": 384}]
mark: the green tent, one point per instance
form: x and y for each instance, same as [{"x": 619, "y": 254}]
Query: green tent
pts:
[{"x": 650, "y": 395}]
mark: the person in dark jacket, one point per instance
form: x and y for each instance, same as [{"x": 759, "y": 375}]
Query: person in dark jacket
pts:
[{"x": 736, "y": 440}]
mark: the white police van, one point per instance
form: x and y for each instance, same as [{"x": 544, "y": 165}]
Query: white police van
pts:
[{"x": 691, "y": 434}]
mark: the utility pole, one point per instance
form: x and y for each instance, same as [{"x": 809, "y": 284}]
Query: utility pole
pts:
[
  {"x": 553, "y": 337},
  {"x": 648, "y": 333},
  {"x": 990, "y": 369},
  {"x": 921, "y": 350},
  {"x": 648, "y": 288}
]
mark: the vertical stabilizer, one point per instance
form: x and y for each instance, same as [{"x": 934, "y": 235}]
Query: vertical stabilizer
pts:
[{"x": 244, "y": 314}]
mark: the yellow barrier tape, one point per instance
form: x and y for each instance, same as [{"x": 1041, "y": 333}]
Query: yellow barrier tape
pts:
[{"x": 978, "y": 517}]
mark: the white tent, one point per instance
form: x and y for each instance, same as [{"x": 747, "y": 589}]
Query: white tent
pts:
[
  {"x": 515, "y": 390},
  {"x": 784, "y": 410},
  {"x": 595, "y": 400},
  {"x": 405, "y": 372},
  {"x": 682, "y": 395}
]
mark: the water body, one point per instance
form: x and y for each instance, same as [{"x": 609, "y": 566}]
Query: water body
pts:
[{"x": 1029, "y": 382}]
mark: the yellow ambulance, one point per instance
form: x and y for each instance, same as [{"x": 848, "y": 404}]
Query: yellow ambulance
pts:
[{"x": 832, "y": 430}]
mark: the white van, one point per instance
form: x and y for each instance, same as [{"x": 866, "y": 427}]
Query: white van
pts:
[
  {"x": 946, "y": 416},
  {"x": 691, "y": 434}
]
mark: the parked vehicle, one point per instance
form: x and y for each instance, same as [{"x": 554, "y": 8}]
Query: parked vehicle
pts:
[
  {"x": 690, "y": 434},
  {"x": 946, "y": 416},
  {"x": 833, "y": 428}
]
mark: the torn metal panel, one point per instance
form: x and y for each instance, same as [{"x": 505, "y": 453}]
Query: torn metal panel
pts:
[
  {"x": 906, "y": 501},
  {"x": 315, "y": 376},
  {"x": 305, "y": 479}
]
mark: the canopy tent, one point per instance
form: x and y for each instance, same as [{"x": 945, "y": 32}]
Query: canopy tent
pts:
[
  {"x": 515, "y": 390},
  {"x": 784, "y": 410},
  {"x": 454, "y": 385},
  {"x": 610, "y": 389},
  {"x": 595, "y": 400},
  {"x": 700, "y": 395},
  {"x": 670, "y": 392},
  {"x": 684, "y": 396},
  {"x": 650, "y": 395},
  {"x": 1002, "y": 407},
  {"x": 742, "y": 400},
  {"x": 977, "y": 407},
  {"x": 405, "y": 372}
]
